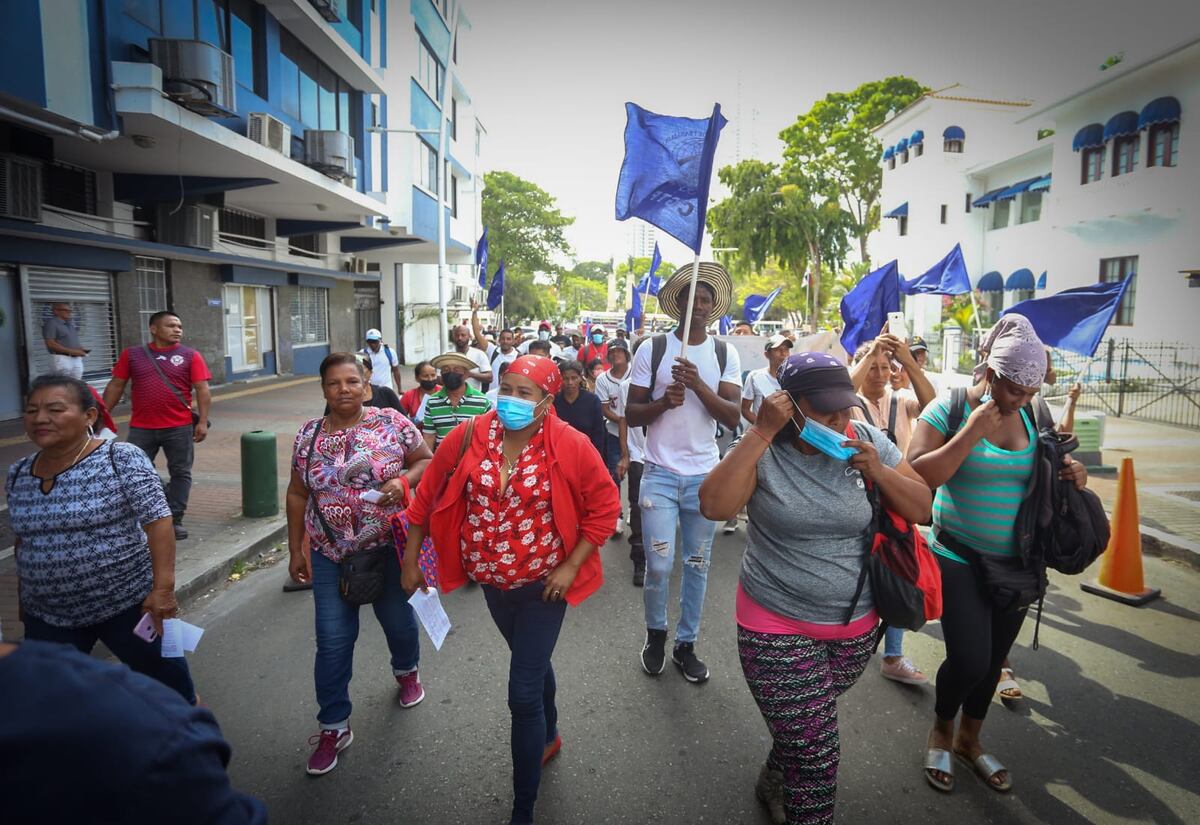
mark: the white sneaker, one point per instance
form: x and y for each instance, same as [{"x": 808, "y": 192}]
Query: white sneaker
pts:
[
  {"x": 731, "y": 526},
  {"x": 620, "y": 524}
]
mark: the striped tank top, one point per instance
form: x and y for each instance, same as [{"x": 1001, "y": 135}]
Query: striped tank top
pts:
[{"x": 979, "y": 504}]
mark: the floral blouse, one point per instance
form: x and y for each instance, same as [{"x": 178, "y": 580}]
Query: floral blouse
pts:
[
  {"x": 509, "y": 539},
  {"x": 343, "y": 466}
]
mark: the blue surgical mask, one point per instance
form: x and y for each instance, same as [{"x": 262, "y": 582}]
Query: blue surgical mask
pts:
[
  {"x": 515, "y": 413},
  {"x": 822, "y": 438},
  {"x": 597, "y": 339},
  {"x": 543, "y": 335}
]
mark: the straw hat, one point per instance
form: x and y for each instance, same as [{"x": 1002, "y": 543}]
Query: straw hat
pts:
[
  {"x": 453, "y": 359},
  {"x": 710, "y": 273}
]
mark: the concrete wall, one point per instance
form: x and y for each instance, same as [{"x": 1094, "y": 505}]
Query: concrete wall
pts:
[{"x": 192, "y": 286}]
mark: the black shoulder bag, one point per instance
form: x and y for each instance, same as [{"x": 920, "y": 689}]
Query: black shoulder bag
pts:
[
  {"x": 174, "y": 391},
  {"x": 361, "y": 574}
]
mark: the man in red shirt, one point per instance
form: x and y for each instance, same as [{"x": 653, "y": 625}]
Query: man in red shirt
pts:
[{"x": 164, "y": 374}]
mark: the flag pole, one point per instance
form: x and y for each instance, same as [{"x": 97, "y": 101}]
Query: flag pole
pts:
[{"x": 687, "y": 318}]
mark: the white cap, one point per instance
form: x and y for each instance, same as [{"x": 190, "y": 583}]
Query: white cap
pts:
[
  {"x": 374, "y": 335},
  {"x": 778, "y": 339}
]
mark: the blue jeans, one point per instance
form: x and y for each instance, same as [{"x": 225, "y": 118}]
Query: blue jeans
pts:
[
  {"x": 337, "y": 631},
  {"x": 612, "y": 455},
  {"x": 530, "y": 626},
  {"x": 669, "y": 499},
  {"x": 893, "y": 641},
  {"x": 118, "y": 636}
]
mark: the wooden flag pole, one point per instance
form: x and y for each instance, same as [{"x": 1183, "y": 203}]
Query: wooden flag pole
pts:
[{"x": 687, "y": 318}]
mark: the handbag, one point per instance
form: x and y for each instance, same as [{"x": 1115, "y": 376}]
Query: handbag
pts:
[
  {"x": 1008, "y": 582},
  {"x": 174, "y": 390},
  {"x": 361, "y": 574}
]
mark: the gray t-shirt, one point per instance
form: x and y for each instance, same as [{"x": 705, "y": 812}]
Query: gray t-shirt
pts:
[
  {"x": 64, "y": 332},
  {"x": 807, "y": 531}
]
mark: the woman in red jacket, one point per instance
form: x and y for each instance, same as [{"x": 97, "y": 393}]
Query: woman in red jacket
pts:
[{"x": 524, "y": 506}]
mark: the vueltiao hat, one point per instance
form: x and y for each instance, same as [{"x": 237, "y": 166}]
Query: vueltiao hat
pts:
[{"x": 712, "y": 274}]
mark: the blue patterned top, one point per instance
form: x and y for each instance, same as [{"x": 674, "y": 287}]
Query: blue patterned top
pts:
[{"x": 84, "y": 556}]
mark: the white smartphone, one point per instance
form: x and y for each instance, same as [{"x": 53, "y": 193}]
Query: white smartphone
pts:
[
  {"x": 373, "y": 496},
  {"x": 896, "y": 325}
]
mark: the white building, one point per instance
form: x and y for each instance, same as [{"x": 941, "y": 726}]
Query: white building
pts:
[
  {"x": 642, "y": 237},
  {"x": 1092, "y": 187}
]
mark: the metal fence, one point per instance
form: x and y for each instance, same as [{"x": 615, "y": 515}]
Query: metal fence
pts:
[{"x": 1151, "y": 380}]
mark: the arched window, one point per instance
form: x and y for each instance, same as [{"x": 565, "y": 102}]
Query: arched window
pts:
[
  {"x": 1089, "y": 141},
  {"x": 953, "y": 139},
  {"x": 1161, "y": 117},
  {"x": 1122, "y": 130}
]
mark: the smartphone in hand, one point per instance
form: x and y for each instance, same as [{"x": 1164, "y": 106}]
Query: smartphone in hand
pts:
[
  {"x": 144, "y": 629},
  {"x": 897, "y": 325}
]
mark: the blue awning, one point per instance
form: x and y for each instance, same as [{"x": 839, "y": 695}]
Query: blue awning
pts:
[
  {"x": 1089, "y": 137},
  {"x": 954, "y": 133},
  {"x": 1041, "y": 281},
  {"x": 1040, "y": 185},
  {"x": 889, "y": 153},
  {"x": 1159, "y": 110},
  {"x": 917, "y": 137},
  {"x": 900, "y": 211},
  {"x": 985, "y": 199},
  {"x": 1017, "y": 188},
  {"x": 1121, "y": 124},
  {"x": 902, "y": 145},
  {"x": 991, "y": 282},
  {"x": 1021, "y": 279}
]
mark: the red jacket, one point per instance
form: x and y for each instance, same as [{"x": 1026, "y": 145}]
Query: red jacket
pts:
[{"x": 584, "y": 499}]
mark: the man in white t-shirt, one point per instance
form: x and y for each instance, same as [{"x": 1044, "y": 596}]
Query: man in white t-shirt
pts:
[
  {"x": 680, "y": 401},
  {"x": 543, "y": 334},
  {"x": 385, "y": 366},
  {"x": 482, "y": 374},
  {"x": 608, "y": 387},
  {"x": 503, "y": 351},
  {"x": 762, "y": 382}
]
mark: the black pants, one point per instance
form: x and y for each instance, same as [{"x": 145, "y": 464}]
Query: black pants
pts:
[
  {"x": 634, "y": 478},
  {"x": 179, "y": 447},
  {"x": 978, "y": 638}
]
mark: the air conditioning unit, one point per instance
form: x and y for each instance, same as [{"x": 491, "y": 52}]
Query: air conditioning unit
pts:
[
  {"x": 20, "y": 188},
  {"x": 196, "y": 75},
  {"x": 270, "y": 132},
  {"x": 329, "y": 152},
  {"x": 460, "y": 295},
  {"x": 193, "y": 224},
  {"x": 356, "y": 265},
  {"x": 332, "y": 10}
]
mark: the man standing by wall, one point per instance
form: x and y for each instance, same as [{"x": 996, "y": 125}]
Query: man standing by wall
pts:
[
  {"x": 61, "y": 333},
  {"x": 385, "y": 365},
  {"x": 165, "y": 373},
  {"x": 680, "y": 401}
]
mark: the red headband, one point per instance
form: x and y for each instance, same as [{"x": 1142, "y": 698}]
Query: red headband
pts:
[{"x": 540, "y": 370}]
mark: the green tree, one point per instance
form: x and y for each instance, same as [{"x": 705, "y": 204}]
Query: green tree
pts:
[
  {"x": 640, "y": 267},
  {"x": 833, "y": 143},
  {"x": 581, "y": 295},
  {"x": 525, "y": 227},
  {"x": 524, "y": 300},
  {"x": 592, "y": 270}
]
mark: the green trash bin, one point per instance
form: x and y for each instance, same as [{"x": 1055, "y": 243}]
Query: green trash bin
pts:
[
  {"x": 260, "y": 475},
  {"x": 1087, "y": 430}
]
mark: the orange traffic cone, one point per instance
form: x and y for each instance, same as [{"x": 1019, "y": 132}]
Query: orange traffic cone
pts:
[{"x": 1120, "y": 576}]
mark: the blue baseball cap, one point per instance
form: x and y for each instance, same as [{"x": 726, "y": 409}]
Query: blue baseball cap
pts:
[{"x": 821, "y": 378}]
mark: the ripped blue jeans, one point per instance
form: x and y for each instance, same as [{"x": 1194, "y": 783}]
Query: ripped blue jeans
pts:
[{"x": 668, "y": 500}]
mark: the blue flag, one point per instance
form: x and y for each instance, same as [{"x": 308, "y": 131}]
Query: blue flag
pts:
[
  {"x": 667, "y": 170},
  {"x": 648, "y": 278},
  {"x": 496, "y": 293},
  {"x": 947, "y": 277},
  {"x": 1041, "y": 281},
  {"x": 655, "y": 262},
  {"x": 865, "y": 308},
  {"x": 1074, "y": 319},
  {"x": 725, "y": 325},
  {"x": 481, "y": 255},
  {"x": 756, "y": 306},
  {"x": 633, "y": 318}
]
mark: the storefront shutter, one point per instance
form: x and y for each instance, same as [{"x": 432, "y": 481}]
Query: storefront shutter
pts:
[{"x": 90, "y": 295}]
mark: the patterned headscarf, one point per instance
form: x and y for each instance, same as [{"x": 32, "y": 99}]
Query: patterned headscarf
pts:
[
  {"x": 540, "y": 370},
  {"x": 1013, "y": 351}
]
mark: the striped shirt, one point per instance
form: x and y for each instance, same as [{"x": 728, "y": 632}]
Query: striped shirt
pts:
[
  {"x": 978, "y": 504},
  {"x": 441, "y": 416}
]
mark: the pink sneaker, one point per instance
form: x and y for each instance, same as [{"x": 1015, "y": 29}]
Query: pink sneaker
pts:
[
  {"x": 411, "y": 692},
  {"x": 903, "y": 671},
  {"x": 329, "y": 743}
]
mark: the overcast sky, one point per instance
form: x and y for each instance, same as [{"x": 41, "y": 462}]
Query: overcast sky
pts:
[{"x": 550, "y": 79}]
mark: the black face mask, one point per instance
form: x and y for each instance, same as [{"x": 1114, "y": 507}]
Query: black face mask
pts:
[
  {"x": 452, "y": 380},
  {"x": 428, "y": 385}
]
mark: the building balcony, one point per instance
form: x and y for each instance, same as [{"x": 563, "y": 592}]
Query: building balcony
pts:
[
  {"x": 162, "y": 138},
  {"x": 319, "y": 35}
]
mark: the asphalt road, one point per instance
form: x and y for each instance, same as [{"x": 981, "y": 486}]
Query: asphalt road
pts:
[{"x": 1109, "y": 730}]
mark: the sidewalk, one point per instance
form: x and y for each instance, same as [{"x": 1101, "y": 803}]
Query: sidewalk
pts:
[{"x": 218, "y": 534}]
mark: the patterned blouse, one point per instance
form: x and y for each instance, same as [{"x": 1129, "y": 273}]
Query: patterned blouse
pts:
[
  {"x": 344, "y": 465},
  {"x": 84, "y": 557},
  {"x": 509, "y": 538}
]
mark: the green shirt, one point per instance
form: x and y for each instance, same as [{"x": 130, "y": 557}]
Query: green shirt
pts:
[
  {"x": 978, "y": 504},
  {"x": 441, "y": 416}
]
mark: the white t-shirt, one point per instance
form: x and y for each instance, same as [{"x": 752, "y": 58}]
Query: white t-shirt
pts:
[
  {"x": 608, "y": 387},
  {"x": 497, "y": 356},
  {"x": 683, "y": 439},
  {"x": 481, "y": 362},
  {"x": 759, "y": 384},
  {"x": 555, "y": 349},
  {"x": 381, "y": 365},
  {"x": 635, "y": 439}
]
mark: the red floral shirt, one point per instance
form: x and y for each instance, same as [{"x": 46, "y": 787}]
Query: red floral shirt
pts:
[{"x": 509, "y": 538}]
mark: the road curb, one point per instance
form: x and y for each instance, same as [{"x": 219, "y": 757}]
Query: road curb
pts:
[
  {"x": 259, "y": 537},
  {"x": 1167, "y": 546}
]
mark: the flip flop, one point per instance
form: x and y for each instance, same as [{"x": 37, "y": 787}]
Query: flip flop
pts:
[
  {"x": 985, "y": 767},
  {"x": 937, "y": 759},
  {"x": 1007, "y": 688}
]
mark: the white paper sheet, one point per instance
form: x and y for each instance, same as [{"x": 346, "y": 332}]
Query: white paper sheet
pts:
[
  {"x": 429, "y": 610},
  {"x": 179, "y": 636}
]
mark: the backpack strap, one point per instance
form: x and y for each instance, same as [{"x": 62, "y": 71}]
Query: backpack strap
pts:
[
  {"x": 891, "y": 427},
  {"x": 658, "y": 351},
  {"x": 162, "y": 375},
  {"x": 392, "y": 359},
  {"x": 958, "y": 407},
  {"x": 722, "y": 351},
  {"x": 869, "y": 542}
]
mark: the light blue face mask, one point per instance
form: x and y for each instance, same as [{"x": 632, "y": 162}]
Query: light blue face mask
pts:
[
  {"x": 598, "y": 339},
  {"x": 515, "y": 413},
  {"x": 822, "y": 438}
]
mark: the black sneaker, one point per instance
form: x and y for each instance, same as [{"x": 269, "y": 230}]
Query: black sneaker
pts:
[
  {"x": 180, "y": 533},
  {"x": 639, "y": 575},
  {"x": 684, "y": 655},
  {"x": 654, "y": 654}
]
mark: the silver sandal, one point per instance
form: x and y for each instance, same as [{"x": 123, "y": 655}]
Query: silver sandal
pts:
[
  {"x": 986, "y": 766},
  {"x": 937, "y": 759}
]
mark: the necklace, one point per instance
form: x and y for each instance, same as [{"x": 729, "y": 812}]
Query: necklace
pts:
[
  {"x": 87, "y": 440},
  {"x": 362, "y": 411}
]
